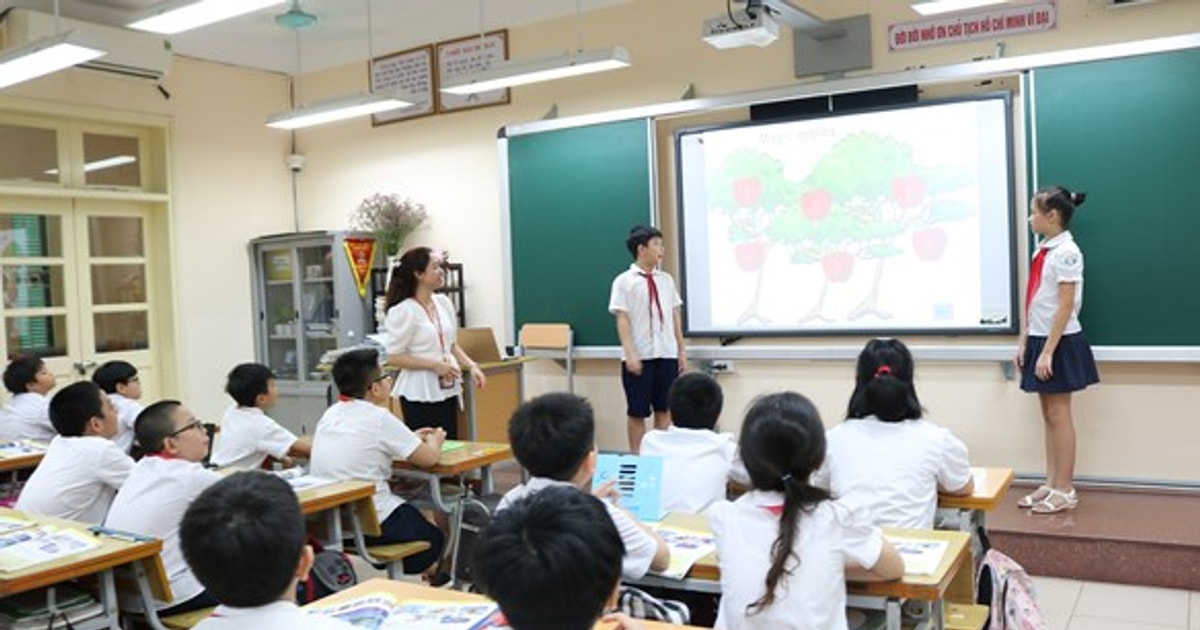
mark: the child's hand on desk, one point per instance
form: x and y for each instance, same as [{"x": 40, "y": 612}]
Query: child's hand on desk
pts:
[
  {"x": 432, "y": 436},
  {"x": 623, "y": 622}
]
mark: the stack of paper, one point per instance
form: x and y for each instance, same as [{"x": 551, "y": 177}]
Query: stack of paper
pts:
[
  {"x": 23, "y": 548},
  {"x": 687, "y": 546},
  {"x": 383, "y": 611},
  {"x": 19, "y": 448},
  {"x": 921, "y": 557}
]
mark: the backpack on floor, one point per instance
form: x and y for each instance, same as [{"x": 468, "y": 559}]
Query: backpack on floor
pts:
[
  {"x": 477, "y": 515},
  {"x": 1007, "y": 590},
  {"x": 331, "y": 572}
]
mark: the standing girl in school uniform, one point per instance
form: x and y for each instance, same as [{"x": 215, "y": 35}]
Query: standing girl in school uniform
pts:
[
  {"x": 422, "y": 342},
  {"x": 786, "y": 548},
  {"x": 1053, "y": 354}
]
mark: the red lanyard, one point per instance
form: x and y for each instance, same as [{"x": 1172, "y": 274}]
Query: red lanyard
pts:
[{"x": 437, "y": 323}]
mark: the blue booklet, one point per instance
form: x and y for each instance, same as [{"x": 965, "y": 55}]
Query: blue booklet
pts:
[{"x": 638, "y": 480}]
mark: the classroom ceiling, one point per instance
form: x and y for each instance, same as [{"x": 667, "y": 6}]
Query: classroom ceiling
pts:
[{"x": 340, "y": 35}]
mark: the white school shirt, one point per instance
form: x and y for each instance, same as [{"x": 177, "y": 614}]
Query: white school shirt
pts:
[
  {"x": 411, "y": 331},
  {"x": 696, "y": 465},
  {"x": 247, "y": 437},
  {"x": 27, "y": 417},
  {"x": 640, "y": 546},
  {"x": 127, "y": 411},
  {"x": 152, "y": 502},
  {"x": 813, "y": 597},
  {"x": 1063, "y": 263},
  {"x": 893, "y": 468},
  {"x": 358, "y": 440},
  {"x": 76, "y": 479},
  {"x": 630, "y": 293},
  {"x": 278, "y": 615}
]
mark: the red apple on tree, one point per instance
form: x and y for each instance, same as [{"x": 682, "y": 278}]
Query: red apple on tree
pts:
[
  {"x": 815, "y": 204},
  {"x": 837, "y": 266},
  {"x": 750, "y": 255},
  {"x": 929, "y": 243},
  {"x": 908, "y": 191},
  {"x": 746, "y": 191}
]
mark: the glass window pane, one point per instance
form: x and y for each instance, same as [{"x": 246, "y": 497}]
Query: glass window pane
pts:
[
  {"x": 116, "y": 332},
  {"x": 118, "y": 284},
  {"x": 317, "y": 263},
  {"x": 30, "y": 154},
  {"x": 42, "y": 335},
  {"x": 316, "y": 345},
  {"x": 111, "y": 160},
  {"x": 30, "y": 235},
  {"x": 33, "y": 286},
  {"x": 282, "y": 359},
  {"x": 115, "y": 237}
]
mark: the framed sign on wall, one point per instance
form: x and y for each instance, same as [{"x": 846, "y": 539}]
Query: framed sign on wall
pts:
[
  {"x": 410, "y": 72},
  {"x": 470, "y": 54}
]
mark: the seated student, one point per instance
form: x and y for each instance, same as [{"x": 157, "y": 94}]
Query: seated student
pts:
[
  {"x": 119, "y": 379},
  {"x": 26, "y": 416},
  {"x": 884, "y": 454},
  {"x": 553, "y": 436},
  {"x": 244, "y": 539},
  {"x": 172, "y": 443},
  {"x": 697, "y": 461},
  {"x": 359, "y": 439},
  {"x": 83, "y": 468},
  {"x": 248, "y": 435},
  {"x": 785, "y": 548},
  {"x": 573, "y": 576}
]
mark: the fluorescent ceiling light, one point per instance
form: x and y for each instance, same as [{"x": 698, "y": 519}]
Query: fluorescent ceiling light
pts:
[
  {"x": 197, "y": 14},
  {"x": 504, "y": 74},
  {"x": 935, "y": 7},
  {"x": 47, "y": 55},
  {"x": 336, "y": 109},
  {"x": 99, "y": 165}
]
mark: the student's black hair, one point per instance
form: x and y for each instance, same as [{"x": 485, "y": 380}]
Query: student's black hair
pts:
[
  {"x": 404, "y": 276},
  {"x": 113, "y": 373},
  {"x": 247, "y": 381},
  {"x": 695, "y": 400},
  {"x": 1060, "y": 200},
  {"x": 354, "y": 371},
  {"x": 883, "y": 383},
  {"x": 552, "y": 434},
  {"x": 782, "y": 444},
  {"x": 152, "y": 427},
  {"x": 243, "y": 537},
  {"x": 21, "y": 371},
  {"x": 551, "y": 560},
  {"x": 73, "y": 406},
  {"x": 640, "y": 235}
]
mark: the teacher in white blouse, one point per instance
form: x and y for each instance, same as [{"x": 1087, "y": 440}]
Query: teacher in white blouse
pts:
[{"x": 422, "y": 342}]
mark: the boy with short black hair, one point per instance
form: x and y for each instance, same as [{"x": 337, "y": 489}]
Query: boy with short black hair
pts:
[
  {"x": 82, "y": 468},
  {"x": 553, "y": 436},
  {"x": 697, "y": 460},
  {"x": 248, "y": 435},
  {"x": 357, "y": 438},
  {"x": 26, "y": 416},
  {"x": 646, "y": 305},
  {"x": 160, "y": 487},
  {"x": 119, "y": 379},
  {"x": 244, "y": 539},
  {"x": 573, "y": 576}
]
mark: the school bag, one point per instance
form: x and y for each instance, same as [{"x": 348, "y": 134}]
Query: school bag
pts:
[
  {"x": 1005, "y": 587},
  {"x": 331, "y": 572},
  {"x": 477, "y": 515}
]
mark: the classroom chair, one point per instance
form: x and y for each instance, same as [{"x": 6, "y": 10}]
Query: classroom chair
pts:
[
  {"x": 186, "y": 620},
  {"x": 964, "y": 616},
  {"x": 392, "y": 556},
  {"x": 551, "y": 337}
]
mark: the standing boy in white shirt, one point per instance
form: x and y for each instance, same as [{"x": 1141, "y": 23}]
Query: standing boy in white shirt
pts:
[
  {"x": 697, "y": 460},
  {"x": 248, "y": 435},
  {"x": 244, "y": 539},
  {"x": 26, "y": 416},
  {"x": 159, "y": 489},
  {"x": 646, "y": 305},
  {"x": 83, "y": 468},
  {"x": 119, "y": 379},
  {"x": 357, "y": 438}
]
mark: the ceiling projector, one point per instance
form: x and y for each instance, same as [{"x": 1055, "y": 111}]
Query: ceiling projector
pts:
[{"x": 745, "y": 29}]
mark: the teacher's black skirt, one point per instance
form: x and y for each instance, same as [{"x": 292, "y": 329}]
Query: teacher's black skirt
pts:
[{"x": 1073, "y": 365}]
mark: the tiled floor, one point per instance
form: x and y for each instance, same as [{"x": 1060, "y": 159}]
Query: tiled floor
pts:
[{"x": 1076, "y": 605}]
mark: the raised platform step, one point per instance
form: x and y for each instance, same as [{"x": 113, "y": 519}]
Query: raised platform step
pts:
[{"x": 1141, "y": 537}]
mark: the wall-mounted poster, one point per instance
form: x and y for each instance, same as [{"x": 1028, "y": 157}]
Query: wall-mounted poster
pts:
[
  {"x": 470, "y": 54},
  {"x": 410, "y": 72}
]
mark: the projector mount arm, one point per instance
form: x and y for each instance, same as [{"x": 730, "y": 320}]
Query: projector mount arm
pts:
[{"x": 797, "y": 18}]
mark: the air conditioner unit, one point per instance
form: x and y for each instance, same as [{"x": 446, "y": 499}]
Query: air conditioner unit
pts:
[{"x": 130, "y": 53}]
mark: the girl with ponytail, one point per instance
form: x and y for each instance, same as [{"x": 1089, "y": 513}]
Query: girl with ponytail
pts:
[
  {"x": 884, "y": 454},
  {"x": 786, "y": 548}
]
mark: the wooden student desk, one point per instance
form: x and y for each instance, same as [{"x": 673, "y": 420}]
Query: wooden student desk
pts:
[
  {"x": 355, "y": 496},
  {"x": 142, "y": 557},
  {"x": 407, "y": 590},
  {"x": 990, "y": 486},
  {"x": 23, "y": 461}
]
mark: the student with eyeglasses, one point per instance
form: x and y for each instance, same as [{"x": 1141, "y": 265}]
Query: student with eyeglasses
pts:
[{"x": 170, "y": 444}]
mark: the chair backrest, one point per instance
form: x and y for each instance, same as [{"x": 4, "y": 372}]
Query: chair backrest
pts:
[{"x": 546, "y": 336}]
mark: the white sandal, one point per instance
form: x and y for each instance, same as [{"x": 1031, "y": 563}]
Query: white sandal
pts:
[
  {"x": 1048, "y": 505},
  {"x": 1037, "y": 496}
]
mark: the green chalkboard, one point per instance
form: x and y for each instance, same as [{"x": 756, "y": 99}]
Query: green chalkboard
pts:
[
  {"x": 1127, "y": 131},
  {"x": 573, "y": 194}
]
